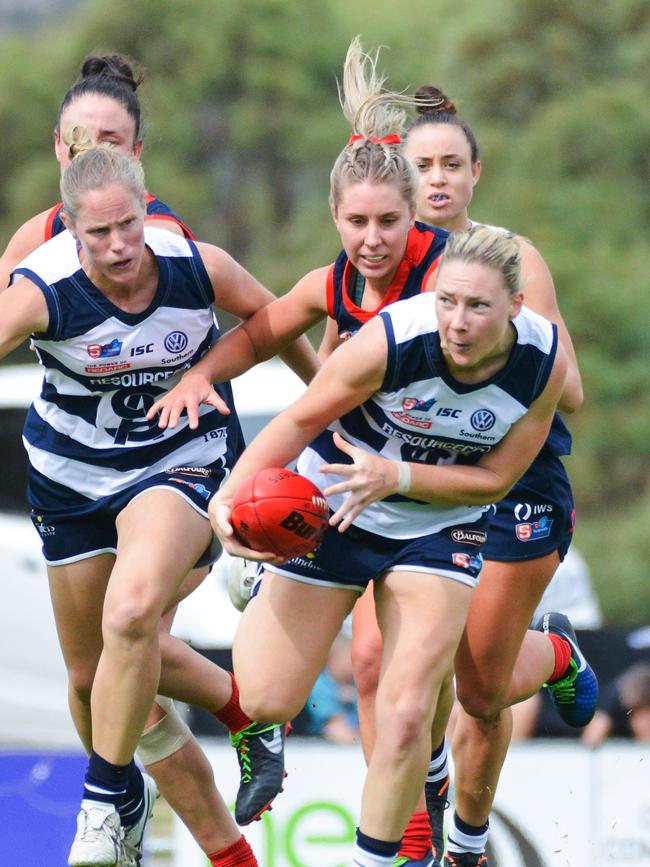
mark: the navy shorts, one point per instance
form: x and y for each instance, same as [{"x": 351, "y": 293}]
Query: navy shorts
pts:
[
  {"x": 354, "y": 558},
  {"x": 73, "y": 527},
  {"x": 536, "y": 518}
]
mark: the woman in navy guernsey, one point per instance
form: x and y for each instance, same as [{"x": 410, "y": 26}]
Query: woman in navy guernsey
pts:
[
  {"x": 425, "y": 416},
  {"x": 528, "y": 536},
  {"x": 104, "y": 100},
  {"x": 116, "y": 313}
]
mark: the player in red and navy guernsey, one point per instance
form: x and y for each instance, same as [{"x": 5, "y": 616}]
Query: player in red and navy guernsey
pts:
[
  {"x": 347, "y": 292},
  {"x": 346, "y": 284},
  {"x": 350, "y": 292}
]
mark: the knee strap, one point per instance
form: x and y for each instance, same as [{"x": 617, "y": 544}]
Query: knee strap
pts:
[{"x": 165, "y": 737}]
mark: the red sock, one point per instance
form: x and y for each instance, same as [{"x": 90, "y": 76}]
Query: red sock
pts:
[
  {"x": 239, "y": 854},
  {"x": 231, "y": 714},
  {"x": 562, "y": 650},
  {"x": 416, "y": 842}
]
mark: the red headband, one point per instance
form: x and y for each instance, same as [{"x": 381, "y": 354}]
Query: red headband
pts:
[{"x": 393, "y": 139}]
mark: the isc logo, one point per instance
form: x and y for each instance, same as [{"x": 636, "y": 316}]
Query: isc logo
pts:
[
  {"x": 297, "y": 524},
  {"x": 142, "y": 350}
]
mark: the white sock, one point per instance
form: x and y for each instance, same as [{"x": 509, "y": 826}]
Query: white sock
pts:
[
  {"x": 462, "y": 841},
  {"x": 363, "y": 858},
  {"x": 439, "y": 766}
]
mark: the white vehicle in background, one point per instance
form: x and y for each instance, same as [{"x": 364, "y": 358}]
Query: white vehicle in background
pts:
[{"x": 33, "y": 705}]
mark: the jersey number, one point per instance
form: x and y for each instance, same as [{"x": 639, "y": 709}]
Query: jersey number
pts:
[{"x": 132, "y": 407}]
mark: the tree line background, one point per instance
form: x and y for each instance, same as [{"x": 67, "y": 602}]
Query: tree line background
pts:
[{"x": 242, "y": 125}]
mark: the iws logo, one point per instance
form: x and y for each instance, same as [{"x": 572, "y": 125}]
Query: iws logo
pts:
[
  {"x": 482, "y": 419},
  {"x": 469, "y": 537},
  {"x": 176, "y": 341},
  {"x": 523, "y": 511}
]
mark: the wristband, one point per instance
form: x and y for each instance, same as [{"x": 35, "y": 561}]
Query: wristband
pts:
[{"x": 403, "y": 477}]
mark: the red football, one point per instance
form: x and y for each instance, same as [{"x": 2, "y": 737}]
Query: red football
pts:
[{"x": 280, "y": 511}]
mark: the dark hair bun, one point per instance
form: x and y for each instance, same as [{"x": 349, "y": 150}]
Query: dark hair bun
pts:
[
  {"x": 113, "y": 65},
  {"x": 433, "y": 101}
]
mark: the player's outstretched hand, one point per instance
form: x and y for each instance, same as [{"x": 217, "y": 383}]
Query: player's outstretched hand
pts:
[
  {"x": 187, "y": 396},
  {"x": 219, "y": 513},
  {"x": 368, "y": 478}
]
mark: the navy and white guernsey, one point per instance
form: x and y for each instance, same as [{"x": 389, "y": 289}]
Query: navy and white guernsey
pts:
[
  {"x": 422, "y": 414},
  {"x": 424, "y": 247},
  {"x": 104, "y": 368},
  {"x": 558, "y": 441}
]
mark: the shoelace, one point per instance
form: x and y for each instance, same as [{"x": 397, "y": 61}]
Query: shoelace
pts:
[
  {"x": 564, "y": 690},
  {"x": 240, "y": 743},
  {"x": 90, "y": 833}
]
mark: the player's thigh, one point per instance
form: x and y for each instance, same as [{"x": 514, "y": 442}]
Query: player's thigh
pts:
[
  {"x": 160, "y": 538},
  {"x": 77, "y": 591},
  {"x": 499, "y": 615},
  {"x": 284, "y": 637},
  {"x": 422, "y": 617}
]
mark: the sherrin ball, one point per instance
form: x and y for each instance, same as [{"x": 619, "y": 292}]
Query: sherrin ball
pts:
[{"x": 279, "y": 511}]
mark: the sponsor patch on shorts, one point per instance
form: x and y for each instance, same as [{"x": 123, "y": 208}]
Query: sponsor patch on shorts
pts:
[
  {"x": 531, "y": 531},
  {"x": 471, "y": 562},
  {"x": 200, "y": 489},
  {"x": 192, "y": 471},
  {"x": 43, "y": 528},
  {"x": 469, "y": 537}
]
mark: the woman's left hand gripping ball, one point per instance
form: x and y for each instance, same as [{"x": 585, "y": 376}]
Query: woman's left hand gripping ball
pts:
[{"x": 368, "y": 478}]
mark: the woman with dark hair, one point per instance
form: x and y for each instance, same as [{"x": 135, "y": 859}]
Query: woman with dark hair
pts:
[{"x": 105, "y": 101}]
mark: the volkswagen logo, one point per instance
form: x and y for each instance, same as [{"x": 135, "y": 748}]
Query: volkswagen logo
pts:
[
  {"x": 176, "y": 341},
  {"x": 482, "y": 419}
]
